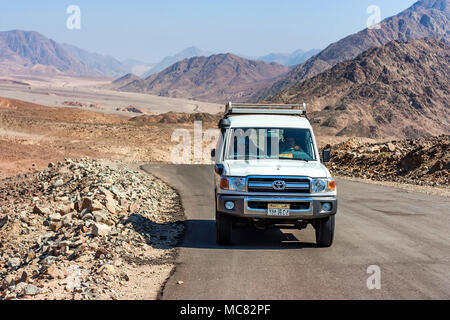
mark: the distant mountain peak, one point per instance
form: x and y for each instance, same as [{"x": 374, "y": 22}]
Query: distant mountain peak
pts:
[
  {"x": 426, "y": 18},
  {"x": 289, "y": 59},
  {"x": 186, "y": 53},
  {"x": 23, "y": 50},
  {"x": 441, "y": 5},
  {"x": 191, "y": 50},
  {"x": 214, "y": 78}
]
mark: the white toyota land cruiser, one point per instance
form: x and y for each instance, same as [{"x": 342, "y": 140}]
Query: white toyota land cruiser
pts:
[{"x": 269, "y": 172}]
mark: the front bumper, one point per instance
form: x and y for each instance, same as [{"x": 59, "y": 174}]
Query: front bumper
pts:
[{"x": 306, "y": 208}]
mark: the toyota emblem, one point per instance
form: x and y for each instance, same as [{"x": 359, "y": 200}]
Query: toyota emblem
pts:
[{"x": 279, "y": 185}]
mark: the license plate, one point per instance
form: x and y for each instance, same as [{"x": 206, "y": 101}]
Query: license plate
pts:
[{"x": 280, "y": 210}]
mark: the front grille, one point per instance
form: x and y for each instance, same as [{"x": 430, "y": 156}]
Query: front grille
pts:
[
  {"x": 260, "y": 205},
  {"x": 264, "y": 184}
]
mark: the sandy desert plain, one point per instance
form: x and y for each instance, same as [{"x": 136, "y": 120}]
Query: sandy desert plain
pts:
[
  {"x": 53, "y": 91},
  {"x": 41, "y": 122}
]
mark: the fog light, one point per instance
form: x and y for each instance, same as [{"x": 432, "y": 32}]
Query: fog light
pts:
[
  {"x": 326, "y": 206},
  {"x": 229, "y": 205}
]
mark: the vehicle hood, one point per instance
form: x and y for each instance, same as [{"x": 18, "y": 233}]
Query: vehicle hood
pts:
[{"x": 244, "y": 168}]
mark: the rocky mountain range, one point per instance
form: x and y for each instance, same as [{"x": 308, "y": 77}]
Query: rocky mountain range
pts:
[
  {"x": 286, "y": 59},
  {"x": 426, "y": 18},
  {"x": 31, "y": 52},
  {"x": 399, "y": 90},
  {"x": 217, "y": 78}
]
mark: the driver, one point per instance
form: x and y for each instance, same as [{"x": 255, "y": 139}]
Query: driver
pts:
[
  {"x": 291, "y": 145},
  {"x": 292, "y": 150}
]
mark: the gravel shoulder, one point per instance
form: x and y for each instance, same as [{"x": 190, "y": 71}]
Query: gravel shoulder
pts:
[
  {"x": 420, "y": 165},
  {"x": 438, "y": 191}
]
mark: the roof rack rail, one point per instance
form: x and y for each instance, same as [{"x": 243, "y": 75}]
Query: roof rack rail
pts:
[{"x": 254, "y": 108}]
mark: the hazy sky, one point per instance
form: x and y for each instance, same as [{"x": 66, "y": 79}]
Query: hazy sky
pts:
[{"x": 148, "y": 30}]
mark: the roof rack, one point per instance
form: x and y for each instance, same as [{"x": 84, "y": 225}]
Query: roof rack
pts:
[{"x": 280, "y": 109}]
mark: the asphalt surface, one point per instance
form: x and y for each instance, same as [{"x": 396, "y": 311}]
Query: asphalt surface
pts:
[{"x": 407, "y": 235}]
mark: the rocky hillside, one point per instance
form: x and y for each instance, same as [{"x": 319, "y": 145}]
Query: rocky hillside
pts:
[
  {"x": 105, "y": 65},
  {"x": 426, "y": 18},
  {"x": 24, "y": 113},
  {"x": 128, "y": 79},
  {"x": 218, "y": 78},
  {"x": 423, "y": 161},
  {"x": 399, "y": 90},
  {"x": 79, "y": 229}
]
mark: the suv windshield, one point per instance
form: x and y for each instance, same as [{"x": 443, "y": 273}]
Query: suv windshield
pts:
[{"x": 264, "y": 143}]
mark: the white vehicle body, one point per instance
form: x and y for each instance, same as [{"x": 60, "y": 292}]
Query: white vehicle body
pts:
[
  {"x": 275, "y": 189},
  {"x": 270, "y": 167}
]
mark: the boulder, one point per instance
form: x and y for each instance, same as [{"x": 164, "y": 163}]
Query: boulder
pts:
[
  {"x": 3, "y": 221},
  {"x": 96, "y": 206},
  {"x": 111, "y": 206},
  {"x": 391, "y": 147},
  {"x": 55, "y": 217},
  {"x": 99, "y": 229},
  {"x": 41, "y": 210},
  {"x": 31, "y": 290},
  {"x": 86, "y": 204},
  {"x": 14, "y": 263},
  {"x": 101, "y": 216}
]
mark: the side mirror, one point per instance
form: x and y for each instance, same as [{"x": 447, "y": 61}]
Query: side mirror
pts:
[
  {"x": 224, "y": 123},
  {"x": 219, "y": 169},
  {"x": 326, "y": 155},
  {"x": 213, "y": 154}
]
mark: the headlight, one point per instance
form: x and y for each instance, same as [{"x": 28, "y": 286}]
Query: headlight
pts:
[
  {"x": 233, "y": 184},
  {"x": 323, "y": 185},
  {"x": 318, "y": 185}
]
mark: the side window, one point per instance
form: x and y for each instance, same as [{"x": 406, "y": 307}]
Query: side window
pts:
[
  {"x": 311, "y": 146},
  {"x": 222, "y": 144}
]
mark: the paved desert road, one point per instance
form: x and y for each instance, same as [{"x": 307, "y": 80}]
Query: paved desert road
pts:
[{"x": 406, "y": 234}]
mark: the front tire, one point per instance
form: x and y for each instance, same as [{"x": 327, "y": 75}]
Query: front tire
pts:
[
  {"x": 325, "y": 232},
  {"x": 224, "y": 226}
]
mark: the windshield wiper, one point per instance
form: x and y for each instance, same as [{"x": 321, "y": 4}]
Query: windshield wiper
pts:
[{"x": 281, "y": 158}]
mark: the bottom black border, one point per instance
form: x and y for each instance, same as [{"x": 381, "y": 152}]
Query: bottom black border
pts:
[{"x": 197, "y": 309}]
